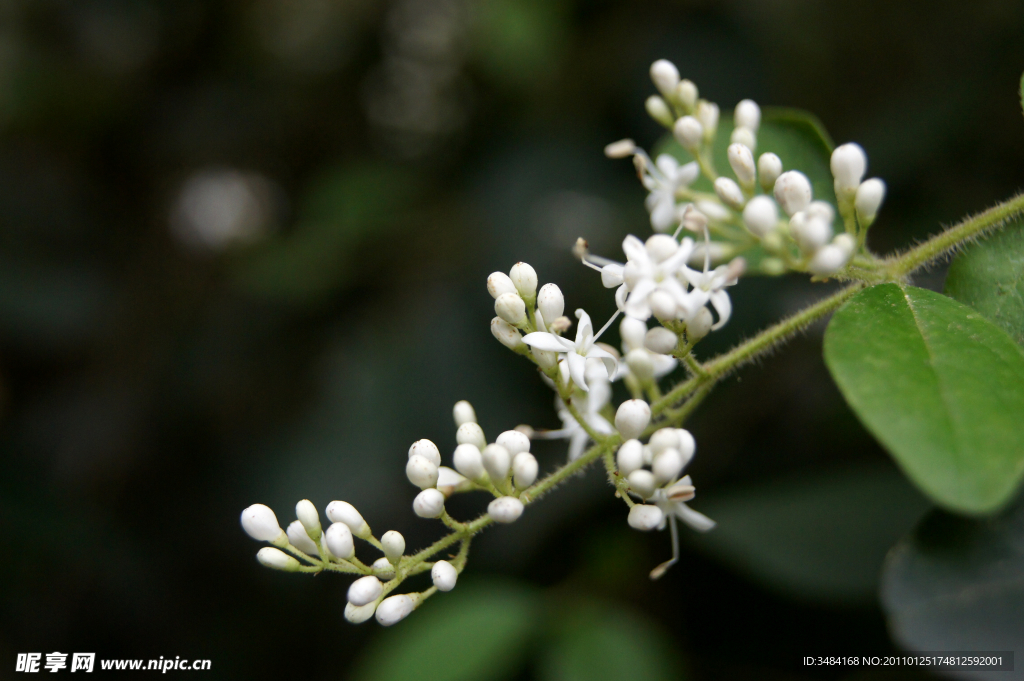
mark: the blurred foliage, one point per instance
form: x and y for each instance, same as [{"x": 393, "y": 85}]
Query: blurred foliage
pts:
[{"x": 150, "y": 389}]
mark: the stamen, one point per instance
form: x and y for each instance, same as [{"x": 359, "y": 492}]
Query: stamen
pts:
[
  {"x": 657, "y": 572},
  {"x": 607, "y": 324}
]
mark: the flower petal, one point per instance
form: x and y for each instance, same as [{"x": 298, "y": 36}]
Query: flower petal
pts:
[
  {"x": 548, "y": 341},
  {"x": 723, "y": 306},
  {"x": 693, "y": 302},
  {"x": 635, "y": 251},
  {"x": 697, "y": 521},
  {"x": 577, "y": 369},
  {"x": 577, "y": 443},
  {"x": 610, "y": 363}
]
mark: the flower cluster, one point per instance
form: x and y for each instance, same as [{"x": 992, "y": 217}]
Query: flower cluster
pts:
[{"x": 743, "y": 212}]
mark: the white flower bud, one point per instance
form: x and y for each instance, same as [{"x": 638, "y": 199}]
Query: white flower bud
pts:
[
  {"x": 631, "y": 418},
  {"x": 793, "y": 191},
  {"x": 421, "y": 471},
  {"x": 630, "y": 457},
  {"x": 660, "y": 340},
  {"x": 394, "y": 609},
  {"x": 744, "y": 136},
  {"x": 506, "y": 334},
  {"x": 662, "y": 439},
  {"x": 448, "y": 480},
  {"x": 688, "y": 132},
  {"x": 359, "y": 614},
  {"x": 620, "y": 149},
  {"x": 260, "y": 523},
  {"x": 524, "y": 470},
  {"x": 524, "y": 277},
  {"x": 712, "y": 211},
  {"x": 344, "y": 512},
  {"x": 471, "y": 434},
  {"x": 686, "y": 93},
  {"x": 742, "y": 162},
  {"x": 747, "y": 115},
  {"x": 299, "y": 539},
  {"x": 546, "y": 359},
  {"x": 499, "y": 283},
  {"x": 550, "y": 302},
  {"x": 383, "y": 569},
  {"x": 699, "y": 325},
  {"x": 663, "y": 305},
  {"x": 305, "y": 511},
  {"x": 428, "y": 504},
  {"x": 810, "y": 233},
  {"x": 339, "y": 540},
  {"x": 821, "y": 210},
  {"x": 729, "y": 192},
  {"x": 760, "y": 215},
  {"x": 658, "y": 109},
  {"x": 687, "y": 445},
  {"x": 661, "y": 247},
  {"x": 869, "y": 199},
  {"x": 640, "y": 363},
  {"x": 846, "y": 242},
  {"x": 469, "y": 461},
  {"x": 645, "y": 517},
  {"x": 393, "y": 545},
  {"x": 769, "y": 167},
  {"x": 364, "y": 590},
  {"x": 514, "y": 441},
  {"x": 665, "y": 76},
  {"x": 505, "y": 509},
  {"x": 828, "y": 260},
  {"x": 277, "y": 559},
  {"x": 667, "y": 466},
  {"x": 428, "y": 449},
  {"x": 632, "y": 331},
  {"x": 848, "y": 165},
  {"x": 444, "y": 575},
  {"x": 511, "y": 308},
  {"x": 497, "y": 461},
  {"x": 707, "y": 114},
  {"x": 641, "y": 481}
]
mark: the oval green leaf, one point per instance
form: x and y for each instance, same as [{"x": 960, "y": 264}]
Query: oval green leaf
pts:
[
  {"x": 989, "y": 276},
  {"x": 478, "y": 632},
  {"x": 940, "y": 386},
  {"x": 958, "y": 584}
]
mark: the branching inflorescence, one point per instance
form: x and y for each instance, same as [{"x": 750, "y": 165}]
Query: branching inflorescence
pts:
[{"x": 673, "y": 276}]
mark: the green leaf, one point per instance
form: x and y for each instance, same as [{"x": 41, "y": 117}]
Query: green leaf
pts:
[
  {"x": 940, "y": 386},
  {"x": 958, "y": 584},
  {"x": 817, "y": 537},
  {"x": 989, "y": 276},
  {"x": 597, "y": 641},
  {"x": 478, "y": 632}
]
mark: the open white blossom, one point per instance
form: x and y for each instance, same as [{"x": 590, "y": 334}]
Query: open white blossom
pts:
[
  {"x": 662, "y": 179},
  {"x": 575, "y": 354}
]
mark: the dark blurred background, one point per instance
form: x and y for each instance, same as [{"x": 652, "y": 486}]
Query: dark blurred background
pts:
[{"x": 243, "y": 248}]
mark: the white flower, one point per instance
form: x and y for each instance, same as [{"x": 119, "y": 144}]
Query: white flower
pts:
[
  {"x": 590, "y": 406},
  {"x": 710, "y": 286},
  {"x": 575, "y": 353},
  {"x": 647, "y": 282},
  {"x": 662, "y": 179}
]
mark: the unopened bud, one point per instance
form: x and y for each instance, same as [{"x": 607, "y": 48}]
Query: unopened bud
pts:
[
  {"x": 499, "y": 283},
  {"x": 744, "y": 136},
  {"x": 393, "y": 544},
  {"x": 344, "y": 512},
  {"x": 632, "y": 331},
  {"x": 505, "y": 509},
  {"x": 305, "y": 511},
  {"x": 359, "y": 614},
  {"x": 760, "y": 216},
  {"x": 511, "y": 308},
  {"x": 747, "y": 115},
  {"x": 394, "y": 609},
  {"x": 661, "y": 247},
  {"x": 645, "y": 517},
  {"x": 869, "y": 199},
  {"x": 707, "y": 114},
  {"x": 810, "y": 233},
  {"x": 665, "y": 76},
  {"x": 560, "y": 325},
  {"x": 621, "y": 149},
  {"x": 848, "y": 164},
  {"x": 828, "y": 260},
  {"x": 428, "y": 449},
  {"x": 471, "y": 434},
  {"x": 631, "y": 418},
  {"x": 497, "y": 461},
  {"x": 428, "y": 504},
  {"x": 687, "y": 94},
  {"x": 277, "y": 559},
  {"x": 260, "y": 523},
  {"x": 742, "y": 162},
  {"x": 550, "y": 302},
  {"x": 299, "y": 539},
  {"x": 689, "y": 132},
  {"x": 699, "y": 325},
  {"x": 663, "y": 304},
  {"x": 641, "y": 481},
  {"x": 660, "y": 340},
  {"x": 667, "y": 466},
  {"x": 421, "y": 471},
  {"x": 793, "y": 191},
  {"x": 506, "y": 334},
  {"x": 339, "y": 540},
  {"x": 729, "y": 192},
  {"x": 640, "y": 363},
  {"x": 444, "y": 575},
  {"x": 658, "y": 109},
  {"x": 524, "y": 470},
  {"x": 630, "y": 457},
  {"x": 514, "y": 441},
  {"x": 383, "y": 569},
  {"x": 524, "y": 277},
  {"x": 769, "y": 167},
  {"x": 364, "y": 590},
  {"x": 694, "y": 219},
  {"x": 469, "y": 461}
]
